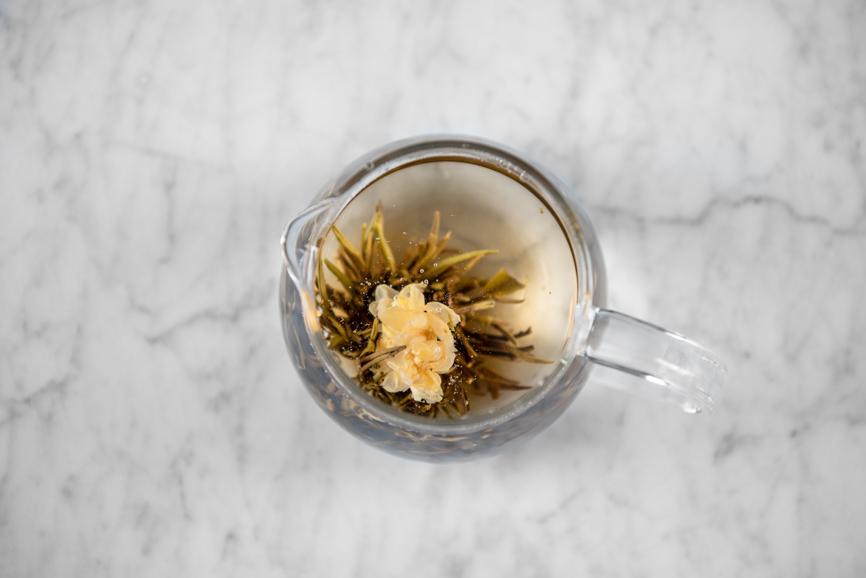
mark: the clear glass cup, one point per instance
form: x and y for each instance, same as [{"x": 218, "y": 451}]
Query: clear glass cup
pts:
[{"x": 650, "y": 361}]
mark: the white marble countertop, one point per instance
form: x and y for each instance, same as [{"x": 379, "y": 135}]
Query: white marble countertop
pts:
[{"x": 150, "y": 153}]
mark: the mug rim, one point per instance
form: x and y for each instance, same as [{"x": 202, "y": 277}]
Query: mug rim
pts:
[{"x": 551, "y": 191}]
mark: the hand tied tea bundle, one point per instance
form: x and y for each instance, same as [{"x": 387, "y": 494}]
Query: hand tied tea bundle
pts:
[{"x": 419, "y": 330}]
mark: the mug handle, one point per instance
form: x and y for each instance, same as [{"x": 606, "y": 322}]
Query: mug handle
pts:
[{"x": 655, "y": 362}]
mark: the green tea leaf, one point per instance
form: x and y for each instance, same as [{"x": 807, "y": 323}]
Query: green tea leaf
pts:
[
  {"x": 502, "y": 284},
  {"x": 384, "y": 246},
  {"x": 348, "y": 247},
  {"x": 449, "y": 262},
  {"x": 341, "y": 277}
]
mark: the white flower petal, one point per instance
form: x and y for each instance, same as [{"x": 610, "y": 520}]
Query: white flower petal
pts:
[
  {"x": 428, "y": 388},
  {"x": 443, "y": 312},
  {"x": 411, "y": 297},
  {"x": 392, "y": 383},
  {"x": 384, "y": 300}
]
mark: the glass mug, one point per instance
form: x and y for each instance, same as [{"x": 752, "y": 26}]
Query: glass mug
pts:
[{"x": 649, "y": 360}]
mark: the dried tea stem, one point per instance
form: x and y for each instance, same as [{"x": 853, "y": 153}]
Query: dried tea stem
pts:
[{"x": 375, "y": 358}]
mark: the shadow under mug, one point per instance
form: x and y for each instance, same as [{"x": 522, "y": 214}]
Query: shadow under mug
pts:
[{"x": 649, "y": 360}]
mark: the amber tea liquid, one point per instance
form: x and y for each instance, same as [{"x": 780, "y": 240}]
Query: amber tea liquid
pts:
[{"x": 484, "y": 209}]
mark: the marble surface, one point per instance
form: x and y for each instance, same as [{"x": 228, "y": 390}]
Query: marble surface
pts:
[{"x": 150, "y": 153}]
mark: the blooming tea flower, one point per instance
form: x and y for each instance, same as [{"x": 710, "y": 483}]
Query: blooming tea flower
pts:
[{"x": 425, "y": 329}]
